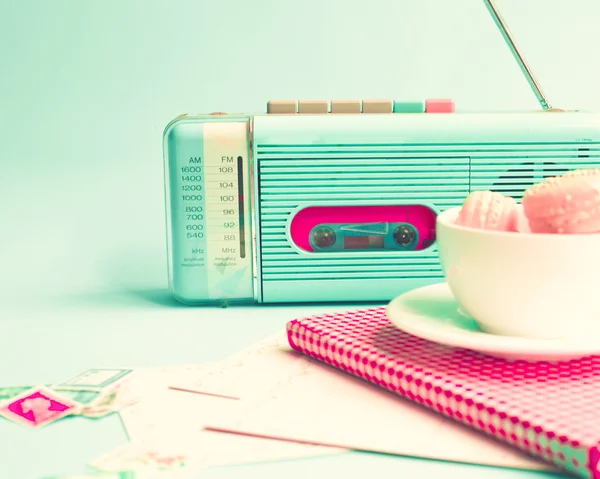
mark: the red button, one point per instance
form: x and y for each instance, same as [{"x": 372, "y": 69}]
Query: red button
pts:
[{"x": 439, "y": 105}]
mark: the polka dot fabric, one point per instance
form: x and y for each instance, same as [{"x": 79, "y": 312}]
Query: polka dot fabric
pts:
[{"x": 546, "y": 409}]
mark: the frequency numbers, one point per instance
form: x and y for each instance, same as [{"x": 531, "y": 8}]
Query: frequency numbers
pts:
[
  {"x": 195, "y": 235},
  {"x": 191, "y": 187},
  {"x": 193, "y": 209},
  {"x": 191, "y": 169},
  {"x": 195, "y": 217},
  {"x": 191, "y": 197},
  {"x": 191, "y": 178}
]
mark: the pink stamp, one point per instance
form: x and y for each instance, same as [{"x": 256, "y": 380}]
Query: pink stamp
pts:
[{"x": 37, "y": 407}]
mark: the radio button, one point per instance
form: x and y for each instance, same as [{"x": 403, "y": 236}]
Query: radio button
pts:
[
  {"x": 409, "y": 107},
  {"x": 313, "y": 106},
  {"x": 439, "y": 105},
  {"x": 345, "y": 106},
  {"x": 278, "y": 107},
  {"x": 377, "y": 106}
]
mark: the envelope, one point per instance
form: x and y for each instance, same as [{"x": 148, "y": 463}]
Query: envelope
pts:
[
  {"x": 288, "y": 396},
  {"x": 246, "y": 373},
  {"x": 166, "y": 424}
]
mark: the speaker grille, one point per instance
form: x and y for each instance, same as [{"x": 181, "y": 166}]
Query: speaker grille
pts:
[
  {"x": 294, "y": 175},
  {"x": 291, "y": 177}
]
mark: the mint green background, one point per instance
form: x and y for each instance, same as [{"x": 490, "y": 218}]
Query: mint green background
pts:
[{"x": 86, "y": 88}]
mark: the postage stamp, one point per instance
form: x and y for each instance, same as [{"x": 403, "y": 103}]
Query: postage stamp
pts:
[
  {"x": 37, "y": 407},
  {"x": 144, "y": 460},
  {"x": 12, "y": 391},
  {"x": 95, "y": 379},
  {"x": 102, "y": 406},
  {"x": 81, "y": 396}
]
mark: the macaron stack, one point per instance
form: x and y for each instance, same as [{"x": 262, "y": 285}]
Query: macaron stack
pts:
[{"x": 567, "y": 204}]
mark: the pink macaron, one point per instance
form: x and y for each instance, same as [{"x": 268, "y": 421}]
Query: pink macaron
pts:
[
  {"x": 488, "y": 210},
  {"x": 567, "y": 204},
  {"x": 578, "y": 173},
  {"x": 520, "y": 222}
]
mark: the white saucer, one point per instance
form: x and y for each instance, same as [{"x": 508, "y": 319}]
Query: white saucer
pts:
[{"x": 433, "y": 314}]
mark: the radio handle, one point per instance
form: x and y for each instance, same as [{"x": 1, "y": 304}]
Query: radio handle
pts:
[{"x": 501, "y": 24}]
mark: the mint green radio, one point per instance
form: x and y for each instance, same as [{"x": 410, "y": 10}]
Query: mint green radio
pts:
[{"x": 336, "y": 201}]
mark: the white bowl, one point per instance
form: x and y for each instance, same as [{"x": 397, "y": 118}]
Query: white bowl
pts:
[{"x": 544, "y": 286}]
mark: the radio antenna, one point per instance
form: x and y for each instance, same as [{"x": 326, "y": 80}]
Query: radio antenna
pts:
[{"x": 501, "y": 24}]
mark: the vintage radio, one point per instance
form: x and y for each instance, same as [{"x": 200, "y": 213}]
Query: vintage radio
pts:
[{"x": 322, "y": 201}]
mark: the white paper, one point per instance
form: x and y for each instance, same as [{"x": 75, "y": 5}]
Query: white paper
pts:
[
  {"x": 180, "y": 417},
  {"x": 249, "y": 372},
  {"x": 326, "y": 406}
]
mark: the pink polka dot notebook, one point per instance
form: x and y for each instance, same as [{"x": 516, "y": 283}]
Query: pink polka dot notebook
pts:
[{"x": 545, "y": 409}]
